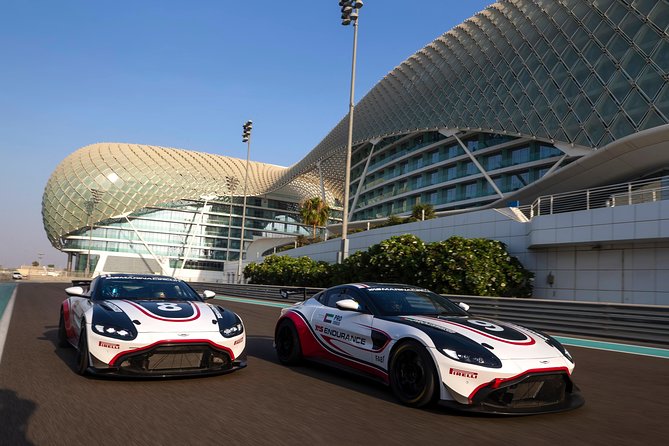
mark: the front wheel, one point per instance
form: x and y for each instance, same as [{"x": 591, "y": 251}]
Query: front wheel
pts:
[
  {"x": 413, "y": 377},
  {"x": 82, "y": 353},
  {"x": 287, "y": 343}
]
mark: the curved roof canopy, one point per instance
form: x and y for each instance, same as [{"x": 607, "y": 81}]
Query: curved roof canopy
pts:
[
  {"x": 108, "y": 180},
  {"x": 575, "y": 73}
]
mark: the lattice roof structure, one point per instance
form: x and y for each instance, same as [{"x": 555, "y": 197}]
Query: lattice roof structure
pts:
[
  {"x": 576, "y": 73},
  {"x": 108, "y": 180}
]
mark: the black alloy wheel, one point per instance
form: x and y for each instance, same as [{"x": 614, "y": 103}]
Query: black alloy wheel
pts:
[
  {"x": 413, "y": 377},
  {"x": 287, "y": 343}
]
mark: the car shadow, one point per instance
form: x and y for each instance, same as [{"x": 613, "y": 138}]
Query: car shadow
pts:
[
  {"x": 66, "y": 354},
  {"x": 262, "y": 347}
]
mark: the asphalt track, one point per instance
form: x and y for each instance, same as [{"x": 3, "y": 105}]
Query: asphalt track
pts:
[{"x": 44, "y": 402}]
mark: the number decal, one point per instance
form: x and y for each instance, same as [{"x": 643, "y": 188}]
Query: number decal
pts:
[
  {"x": 487, "y": 325},
  {"x": 169, "y": 307}
]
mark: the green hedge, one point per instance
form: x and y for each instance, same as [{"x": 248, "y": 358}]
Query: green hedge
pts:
[{"x": 478, "y": 267}]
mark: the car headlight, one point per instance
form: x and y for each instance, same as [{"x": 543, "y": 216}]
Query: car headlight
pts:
[
  {"x": 114, "y": 332},
  {"x": 234, "y": 330},
  {"x": 477, "y": 358}
]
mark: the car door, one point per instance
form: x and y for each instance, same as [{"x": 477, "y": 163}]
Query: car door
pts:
[{"x": 344, "y": 332}]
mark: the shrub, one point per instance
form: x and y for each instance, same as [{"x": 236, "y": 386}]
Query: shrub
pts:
[
  {"x": 288, "y": 271},
  {"x": 454, "y": 266}
]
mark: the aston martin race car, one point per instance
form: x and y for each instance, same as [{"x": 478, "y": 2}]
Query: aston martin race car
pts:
[
  {"x": 429, "y": 349},
  {"x": 149, "y": 325}
]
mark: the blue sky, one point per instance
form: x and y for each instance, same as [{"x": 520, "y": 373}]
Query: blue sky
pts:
[{"x": 182, "y": 74}]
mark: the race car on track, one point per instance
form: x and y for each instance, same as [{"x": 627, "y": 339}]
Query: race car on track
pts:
[
  {"x": 149, "y": 325},
  {"x": 428, "y": 349}
]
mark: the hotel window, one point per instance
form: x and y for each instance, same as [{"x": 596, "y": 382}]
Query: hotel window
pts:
[
  {"x": 548, "y": 152},
  {"x": 519, "y": 180},
  {"x": 450, "y": 194},
  {"x": 493, "y": 162},
  {"x": 469, "y": 168},
  {"x": 454, "y": 151},
  {"x": 470, "y": 190},
  {"x": 521, "y": 155}
]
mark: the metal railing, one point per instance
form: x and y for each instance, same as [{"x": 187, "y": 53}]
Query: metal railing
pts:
[
  {"x": 607, "y": 196},
  {"x": 623, "y": 322}
]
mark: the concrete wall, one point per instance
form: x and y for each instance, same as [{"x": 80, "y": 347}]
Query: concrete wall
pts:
[{"x": 618, "y": 254}]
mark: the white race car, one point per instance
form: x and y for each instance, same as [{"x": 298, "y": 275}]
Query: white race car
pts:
[
  {"x": 146, "y": 325},
  {"x": 427, "y": 348}
]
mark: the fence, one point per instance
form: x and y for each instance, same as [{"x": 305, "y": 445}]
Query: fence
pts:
[
  {"x": 624, "y": 322},
  {"x": 606, "y": 196}
]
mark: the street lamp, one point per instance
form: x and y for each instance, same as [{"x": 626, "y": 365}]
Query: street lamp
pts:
[
  {"x": 232, "y": 183},
  {"x": 91, "y": 204},
  {"x": 349, "y": 15},
  {"x": 246, "y": 137}
]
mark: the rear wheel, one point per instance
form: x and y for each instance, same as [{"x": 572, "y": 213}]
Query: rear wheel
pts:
[
  {"x": 62, "y": 333},
  {"x": 287, "y": 343},
  {"x": 413, "y": 377},
  {"x": 82, "y": 353}
]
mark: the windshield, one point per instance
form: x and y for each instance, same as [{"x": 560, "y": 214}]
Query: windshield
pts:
[
  {"x": 407, "y": 302},
  {"x": 144, "y": 289}
]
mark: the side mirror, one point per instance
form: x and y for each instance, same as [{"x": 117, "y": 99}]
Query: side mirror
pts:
[
  {"x": 208, "y": 294},
  {"x": 75, "y": 291},
  {"x": 464, "y": 306},
  {"x": 348, "y": 305}
]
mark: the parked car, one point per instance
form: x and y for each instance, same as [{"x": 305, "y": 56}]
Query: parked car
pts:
[
  {"x": 149, "y": 325},
  {"x": 428, "y": 349},
  {"x": 17, "y": 275}
]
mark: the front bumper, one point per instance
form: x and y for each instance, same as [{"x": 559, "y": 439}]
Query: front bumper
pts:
[
  {"x": 531, "y": 393},
  {"x": 165, "y": 359}
]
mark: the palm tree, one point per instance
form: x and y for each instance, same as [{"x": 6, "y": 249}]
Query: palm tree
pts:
[
  {"x": 423, "y": 211},
  {"x": 314, "y": 212}
]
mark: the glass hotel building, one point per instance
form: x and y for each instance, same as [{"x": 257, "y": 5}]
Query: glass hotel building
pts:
[{"x": 526, "y": 98}]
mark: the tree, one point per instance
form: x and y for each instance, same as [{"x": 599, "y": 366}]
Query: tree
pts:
[
  {"x": 314, "y": 212},
  {"x": 422, "y": 211},
  {"x": 35, "y": 263}
]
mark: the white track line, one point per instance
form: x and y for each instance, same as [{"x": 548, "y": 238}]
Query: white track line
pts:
[{"x": 4, "y": 322}]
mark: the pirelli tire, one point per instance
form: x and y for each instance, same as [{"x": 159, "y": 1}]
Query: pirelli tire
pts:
[
  {"x": 82, "y": 352},
  {"x": 287, "y": 343},
  {"x": 413, "y": 376},
  {"x": 62, "y": 333}
]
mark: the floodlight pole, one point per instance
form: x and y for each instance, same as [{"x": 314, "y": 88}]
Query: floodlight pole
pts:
[
  {"x": 349, "y": 15},
  {"x": 246, "y": 137}
]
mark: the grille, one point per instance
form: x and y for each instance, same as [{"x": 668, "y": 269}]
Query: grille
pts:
[
  {"x": 533, "y": 391},
  {"x": 168, "y": 359}
]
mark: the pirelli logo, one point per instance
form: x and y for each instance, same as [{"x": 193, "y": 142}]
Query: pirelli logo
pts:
[
  {"x": 464, "y": 373},
  {"x": 108, "y": 345}
]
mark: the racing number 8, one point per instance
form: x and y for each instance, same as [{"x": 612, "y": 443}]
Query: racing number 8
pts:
[
  {"x": 487, "y": 325},
  {"x": 169, "y": 307}
]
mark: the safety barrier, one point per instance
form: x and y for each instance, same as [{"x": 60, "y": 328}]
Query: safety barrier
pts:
[{"x": 623, "y": 322}]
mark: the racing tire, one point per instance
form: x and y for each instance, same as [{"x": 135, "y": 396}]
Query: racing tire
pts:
[
  {"x": 82, "y": 352},
  {"x": 62, "y": 333},
  {"x": 287, "y": 343},
  {"x": 413, "y": 377}
]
